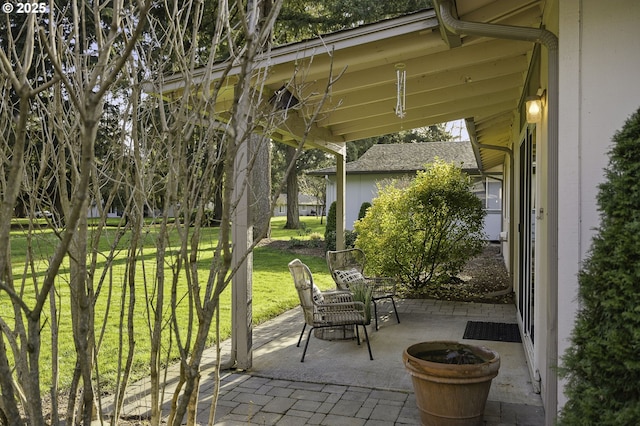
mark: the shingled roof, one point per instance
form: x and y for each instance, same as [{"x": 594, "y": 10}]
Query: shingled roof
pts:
[{"x": 408, "y": 157}]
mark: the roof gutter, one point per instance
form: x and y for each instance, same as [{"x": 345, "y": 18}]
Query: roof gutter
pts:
[{"x": 550, "y": 41}]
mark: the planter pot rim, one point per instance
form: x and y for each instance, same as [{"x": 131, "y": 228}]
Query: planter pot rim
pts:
[{"x": 452, "y": 372}]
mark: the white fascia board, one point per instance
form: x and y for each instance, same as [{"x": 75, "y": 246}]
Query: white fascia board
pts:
[{"x": 422, "y": 21}]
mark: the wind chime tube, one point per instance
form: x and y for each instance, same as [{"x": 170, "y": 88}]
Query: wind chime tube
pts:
[{"x": 401, "y": 86}]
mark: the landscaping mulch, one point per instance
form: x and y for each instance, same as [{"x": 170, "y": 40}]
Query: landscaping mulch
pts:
[{"x": 484, "y": 278}]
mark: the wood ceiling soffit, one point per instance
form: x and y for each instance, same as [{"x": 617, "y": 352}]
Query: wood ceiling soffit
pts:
[
  {"x": 477, "y": 103},
  {"x": 492, "y": 154},
  {"x": 287, "y": 139},
  {"x": 487, "y": 143},
  {"x": 497, "y": 136},
  {"x": 422, "y": 83},
  {"x": 494, "y": 121},
  {"x": 357, "y": 58},
  {"x": 490, "y": 163},
  {"x": 392, "y": 126},
  {"x": 496, "y": 131},
  {"x": 386, "y": 98},
  {"x": 447, "y": 61},
  {"x": 500, "y": 11},
  {"x": 448, "y": 75},
  {"x": 295, "y": 126}
]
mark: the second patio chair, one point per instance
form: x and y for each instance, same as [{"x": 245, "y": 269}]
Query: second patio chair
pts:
[
  {"x": 347, "y": 267},
  {"x": 326, "y": 309}
]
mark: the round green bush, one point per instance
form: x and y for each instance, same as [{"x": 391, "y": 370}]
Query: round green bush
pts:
[{"x": 423, "y": 231}]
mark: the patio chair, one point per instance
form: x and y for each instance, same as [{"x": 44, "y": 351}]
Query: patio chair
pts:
[
  {"x": 347, "y": 268},
  {"x": 325, "y": 309}
]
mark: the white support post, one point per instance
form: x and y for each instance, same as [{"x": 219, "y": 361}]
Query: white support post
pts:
[
  {"x": 340, "y": 200},
  {"x": 241, "y": 287}
]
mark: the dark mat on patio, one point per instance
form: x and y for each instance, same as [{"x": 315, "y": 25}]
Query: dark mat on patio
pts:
[{"x": 496, "y": 331}]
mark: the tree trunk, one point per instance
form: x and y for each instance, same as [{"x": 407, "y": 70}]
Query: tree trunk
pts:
[
  {"x": 261, "y": 187},
  {"x": 293, "y": 214}
]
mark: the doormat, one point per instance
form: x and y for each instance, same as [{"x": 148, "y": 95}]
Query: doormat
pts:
[{"x": 496, "y": 331}]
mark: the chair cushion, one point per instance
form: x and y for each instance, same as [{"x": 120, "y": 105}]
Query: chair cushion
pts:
[
  {"x": 349, "y": 277},
  {"x": 317, "y": 295}
]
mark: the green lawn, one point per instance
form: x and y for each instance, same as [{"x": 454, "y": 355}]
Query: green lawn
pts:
[
  {"x": 273, "y": 293},
  {"x": 310, "y": 225}
]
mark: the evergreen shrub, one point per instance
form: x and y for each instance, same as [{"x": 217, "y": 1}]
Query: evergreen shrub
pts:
[
  {"x": 363, "y": 209},
  {"x": 602, "y": 364},
  {"x": 330, "y": 231}
]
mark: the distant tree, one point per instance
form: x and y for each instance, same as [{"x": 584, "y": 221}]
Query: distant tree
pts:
[
  {"x": 302, "y": 19},
  {"x": 602, "y": 366},
  {"x": 316, "y": 187},
  {"x": 308, "y": 160},
  {"x": 293, "y": 212},
  {"x": 434, "y": 133},
  {"x": 347, "y": 13}
]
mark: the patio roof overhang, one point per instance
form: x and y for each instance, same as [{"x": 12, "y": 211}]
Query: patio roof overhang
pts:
[{"x": 449, "y": 77}]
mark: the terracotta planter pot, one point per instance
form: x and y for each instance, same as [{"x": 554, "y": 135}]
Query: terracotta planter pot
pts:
[{"x": 451, "y": 394}]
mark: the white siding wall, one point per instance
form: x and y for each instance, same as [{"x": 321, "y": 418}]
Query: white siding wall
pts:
[
  {"x": 359, "y": 188},
  {"x": 303, "y": 209},
  {"x": 599, "y": 63},
  {"x": 363, "y": 188}
]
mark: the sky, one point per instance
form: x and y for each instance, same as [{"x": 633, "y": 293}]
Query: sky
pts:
[{"x": 458, "y": 130}]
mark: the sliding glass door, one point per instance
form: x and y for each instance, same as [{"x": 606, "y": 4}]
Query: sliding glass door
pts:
[{"x": 526, "y": 230}]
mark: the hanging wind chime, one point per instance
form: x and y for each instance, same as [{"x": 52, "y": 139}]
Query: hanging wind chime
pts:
[{"x": 401, "y": 90}]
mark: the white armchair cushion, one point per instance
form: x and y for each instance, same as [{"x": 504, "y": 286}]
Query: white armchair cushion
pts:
[
  {"x": 349, "y": 277},
  {"x": 317, "y": 295}
]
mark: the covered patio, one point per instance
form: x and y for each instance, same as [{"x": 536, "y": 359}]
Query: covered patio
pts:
[
  {"x": 447, "y": 71},
  {"x": 480, "y": 60},
  {"x": 338, "y": 384}
]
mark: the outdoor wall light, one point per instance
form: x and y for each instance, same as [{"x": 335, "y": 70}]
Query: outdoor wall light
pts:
[{"x": 534, "y": 109}]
